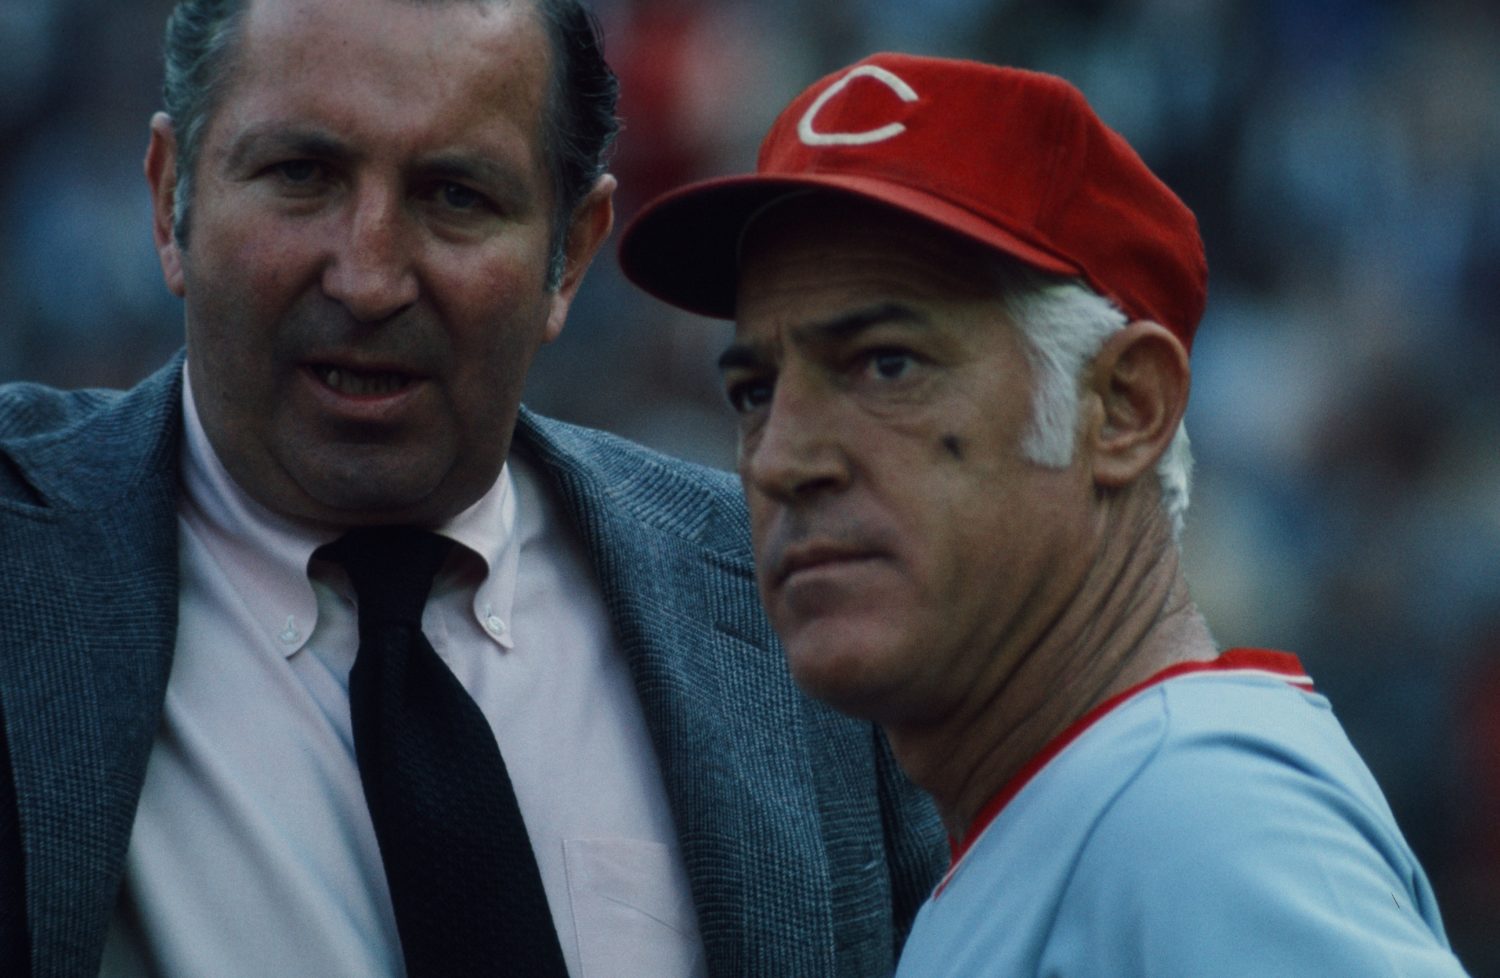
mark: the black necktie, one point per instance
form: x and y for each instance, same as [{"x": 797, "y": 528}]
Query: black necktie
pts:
[{"x": 464, "y": 881}]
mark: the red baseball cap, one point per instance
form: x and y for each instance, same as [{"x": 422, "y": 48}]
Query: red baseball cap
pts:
[{"x": 1015, "y": 160}]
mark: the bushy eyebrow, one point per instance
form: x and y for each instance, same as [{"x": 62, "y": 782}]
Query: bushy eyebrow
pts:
[
  {"x": 826, "y": 332},
  {"x": 742, "y": 356},
  {"x": 496, "y": 179},
  {"x": 276, "y": 139},
  {"x": 849, "y": 325}
]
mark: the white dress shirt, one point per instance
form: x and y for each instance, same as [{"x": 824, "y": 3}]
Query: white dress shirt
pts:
[{"x": 253, "y": 853}]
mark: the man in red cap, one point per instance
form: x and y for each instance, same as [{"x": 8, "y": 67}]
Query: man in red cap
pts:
[{"x": 963, "y": 312}]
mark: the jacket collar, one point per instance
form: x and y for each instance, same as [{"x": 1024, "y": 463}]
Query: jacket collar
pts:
[
  {"x": 671, "y": 545},
  {"x": 87, "y": 636}
]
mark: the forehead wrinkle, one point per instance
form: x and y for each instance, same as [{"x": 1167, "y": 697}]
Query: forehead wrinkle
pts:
[
  {"x": 846, "y": 326},
  {"x": 497, "y": 149},
  {"x": 277, "y": 35},
  {"x": 826, "y": 333},
  {"x": 821, "y": 336}
]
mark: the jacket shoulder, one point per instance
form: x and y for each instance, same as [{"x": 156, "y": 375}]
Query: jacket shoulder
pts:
[
  {"x": 29, "y": 410},
  {"x": 86, "y": 448},
  {"x": 687, "y": 499}
]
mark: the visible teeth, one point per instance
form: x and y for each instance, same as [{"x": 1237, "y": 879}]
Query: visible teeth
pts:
[{"x": 359, "y": 384}]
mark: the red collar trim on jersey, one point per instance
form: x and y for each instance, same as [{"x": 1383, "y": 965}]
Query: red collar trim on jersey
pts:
[{"x": 1257, "y": 662}]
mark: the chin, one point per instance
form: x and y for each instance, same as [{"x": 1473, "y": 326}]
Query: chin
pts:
[
  {"x": 383, "y": 487},
  {"x": 369, "y": 502},
  {"x": 854, "y": 677}
]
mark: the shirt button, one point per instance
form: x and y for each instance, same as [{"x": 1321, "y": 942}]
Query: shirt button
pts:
[
  {"x": 494, "y": 625},
  {"x": 290, "y": 635}
]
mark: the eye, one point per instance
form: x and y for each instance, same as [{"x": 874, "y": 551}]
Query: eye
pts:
[
  {"x": 890, "y": 364},
  {"x": 459, "y": 197},
  {"x": 298, "y": 172},
  {"x": 746, "y": 396}
]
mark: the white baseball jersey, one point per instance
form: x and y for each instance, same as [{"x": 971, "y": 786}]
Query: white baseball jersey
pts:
[{"x": 1213, "y": 821}]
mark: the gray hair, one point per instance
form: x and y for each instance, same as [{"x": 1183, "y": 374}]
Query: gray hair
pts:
[
  {"x": 580, "y": 128},
  {"x": 1065, "y": 324},
  {"x": 200, "y": 41}
]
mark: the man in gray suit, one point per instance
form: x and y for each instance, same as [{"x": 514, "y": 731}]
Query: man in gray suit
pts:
[{"x": 376, "y": 211}]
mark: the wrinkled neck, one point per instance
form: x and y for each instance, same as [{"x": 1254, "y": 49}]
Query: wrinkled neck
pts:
[{"x": 1127, "y": 617}]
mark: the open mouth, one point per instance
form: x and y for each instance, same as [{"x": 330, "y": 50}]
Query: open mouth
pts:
[{"x": 362, "y": 383}]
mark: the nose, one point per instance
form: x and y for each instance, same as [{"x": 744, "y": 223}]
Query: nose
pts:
[
  {"x": 796, "y": 451},
  {"x": 371, "y": 269}
]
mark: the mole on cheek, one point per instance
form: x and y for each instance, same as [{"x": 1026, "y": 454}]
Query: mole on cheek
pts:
[{"x": 953, "y": 446}]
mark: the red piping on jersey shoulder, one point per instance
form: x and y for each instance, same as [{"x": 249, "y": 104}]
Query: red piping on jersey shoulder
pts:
[{"x": 1262, "y": 662}]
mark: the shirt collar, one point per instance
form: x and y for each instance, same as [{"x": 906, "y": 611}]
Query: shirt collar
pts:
[
  {"x": 488, "y": 529},
  {"x": 265, "y": 556}
]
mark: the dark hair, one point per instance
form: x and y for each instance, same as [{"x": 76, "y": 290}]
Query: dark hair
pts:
[
  {"x": 580, "y": 122},
  {"x": 199, "y": 42}
]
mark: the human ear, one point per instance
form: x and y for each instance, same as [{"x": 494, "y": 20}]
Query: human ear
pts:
[
  {"x": 161, "y": 176},
  {"x": 1138, "y": 386},
  {"x": 591, "y": 223}
]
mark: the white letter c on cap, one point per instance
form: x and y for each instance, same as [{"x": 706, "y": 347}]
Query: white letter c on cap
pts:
[{"x": 812, "y": 137}]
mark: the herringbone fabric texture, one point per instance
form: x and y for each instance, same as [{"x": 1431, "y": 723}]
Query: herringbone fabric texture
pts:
[{"x": 462, "y": 874}]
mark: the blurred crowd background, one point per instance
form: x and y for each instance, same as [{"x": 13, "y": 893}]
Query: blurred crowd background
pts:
[{"x": 1343, "y": 157}]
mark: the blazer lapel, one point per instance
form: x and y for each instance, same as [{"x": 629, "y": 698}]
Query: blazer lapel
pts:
[
  {"x": 90, "y": 613},
  {"x": 727, "y": 722}
]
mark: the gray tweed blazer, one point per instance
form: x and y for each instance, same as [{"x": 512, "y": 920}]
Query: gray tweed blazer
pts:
[{"x": 807, "y": 851}]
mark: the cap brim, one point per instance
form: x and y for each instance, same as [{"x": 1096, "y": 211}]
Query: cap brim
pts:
[{"x": 683, "y": 247}]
